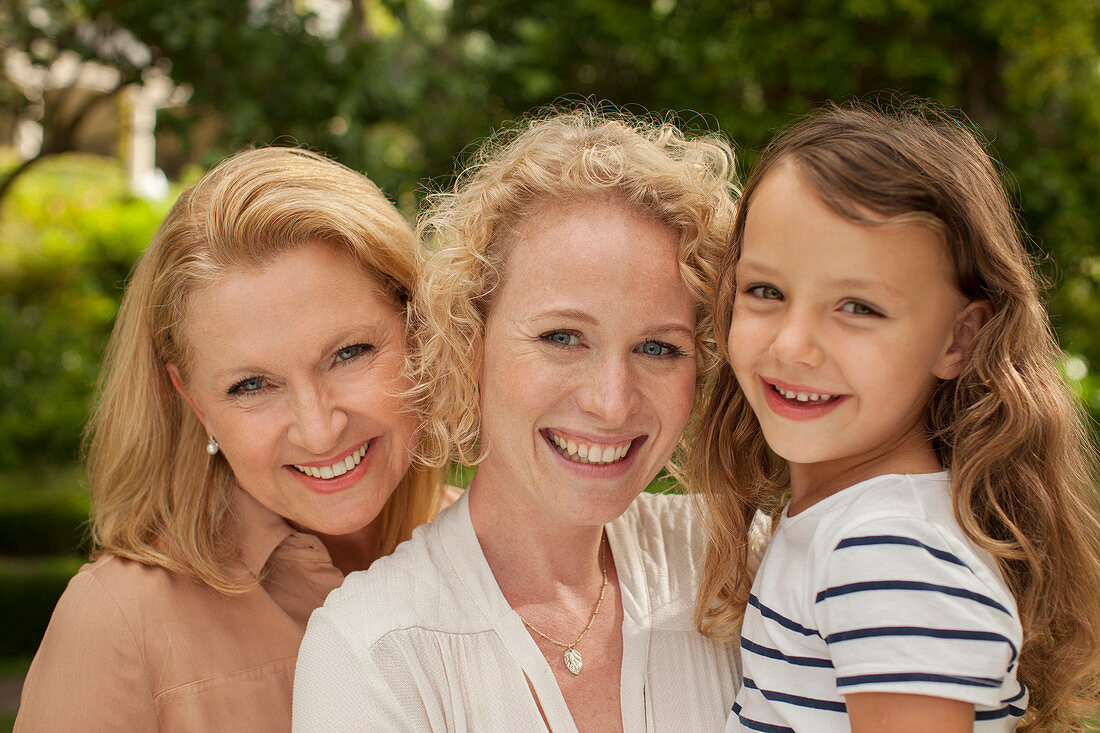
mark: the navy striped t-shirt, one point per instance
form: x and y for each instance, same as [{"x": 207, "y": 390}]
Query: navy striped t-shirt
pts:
[{"x": 877, "y": 589}]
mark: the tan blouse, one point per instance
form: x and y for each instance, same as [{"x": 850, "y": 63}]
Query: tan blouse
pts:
[{"x": 137, "y": 648}]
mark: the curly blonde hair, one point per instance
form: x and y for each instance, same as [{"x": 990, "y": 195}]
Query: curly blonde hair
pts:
[
  {"x": 156, "y": 498},
  {"x": 1008, "y": 428},
  {"x": 551, "y": 158}
]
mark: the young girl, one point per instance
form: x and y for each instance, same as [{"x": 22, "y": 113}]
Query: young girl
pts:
[{"x": 892, "y": 396}]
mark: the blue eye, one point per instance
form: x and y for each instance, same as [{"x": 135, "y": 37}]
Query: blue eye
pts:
[
  {"x": 561, "y": 338},
  {"x": 350, "y": 352},
  {"x": 765, "y": 292},
  {"x": 252, "y": 384},
  {"x": 657, "y": 348}
]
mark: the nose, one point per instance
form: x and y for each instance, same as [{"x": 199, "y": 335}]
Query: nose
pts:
[
  {"x": 610, "y": 391},
  {"x": 797, "y": 340},
  {"x": 318, "y": 421}
]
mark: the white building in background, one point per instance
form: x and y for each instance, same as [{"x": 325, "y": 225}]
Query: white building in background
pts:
[{"x": 124, "y": 126}]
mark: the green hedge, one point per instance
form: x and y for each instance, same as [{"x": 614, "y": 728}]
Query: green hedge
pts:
[
  {"x": 69, "y": 235},
  {"x": 47, "y": 526},
  {"x": 29, "y": 589},
  {"x": 43, "y": 510}
]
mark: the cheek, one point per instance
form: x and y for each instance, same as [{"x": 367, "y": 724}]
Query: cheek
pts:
[
  {"x": 250, "y": 443},
  {"x": 377, "y": 395},
  {"x": 747, "y": 334},
  {"x": 673, "y": 395},
  {"x": 742, "y": 348}
]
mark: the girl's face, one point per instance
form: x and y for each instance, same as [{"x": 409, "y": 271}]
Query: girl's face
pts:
[
  {"x": 294, "y": 368},
  {"x": 840, "y": 332},
  {"x": 588, "y": 372}
]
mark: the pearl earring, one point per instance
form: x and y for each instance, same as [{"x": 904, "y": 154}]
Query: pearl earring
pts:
[{"x": 212, "y": 446}]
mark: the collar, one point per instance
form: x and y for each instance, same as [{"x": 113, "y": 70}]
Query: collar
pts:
[{"x": 259, "y": 530}]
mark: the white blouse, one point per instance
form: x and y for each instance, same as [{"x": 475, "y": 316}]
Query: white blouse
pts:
[{"x": 424, "y": 639}]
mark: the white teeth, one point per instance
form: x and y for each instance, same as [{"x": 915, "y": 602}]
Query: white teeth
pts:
[
  {"x": 336, "y": 469},
  {"x": 803, "y": 396},
  {"x": 585, "y": 453}
]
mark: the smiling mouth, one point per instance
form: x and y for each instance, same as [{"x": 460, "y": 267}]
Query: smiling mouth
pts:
[
  {"x": 805, "y": 398},
  {"x": 336, "y": 469},
  {"x": 588, "y": 452}
]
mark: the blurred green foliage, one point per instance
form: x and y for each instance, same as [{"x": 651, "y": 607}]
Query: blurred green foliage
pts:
[
  {"x": 29, "y": 589},
  {"x": 44, "y": 510},
  {"x": 68, "y": 238},
  {"x": 401, "y": 88}
]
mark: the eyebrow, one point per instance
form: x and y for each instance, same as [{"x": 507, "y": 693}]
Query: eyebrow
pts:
[
  {"x": 584, "y": 317},
  {"x": 345, "y": 337},
  {"x": 569, "y": 313},
  {"x": 848, "y": 283}
]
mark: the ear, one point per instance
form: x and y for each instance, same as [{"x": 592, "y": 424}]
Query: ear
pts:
[
  {"x": 967, "y": 324},
  {"x": 177, "y": 382}
]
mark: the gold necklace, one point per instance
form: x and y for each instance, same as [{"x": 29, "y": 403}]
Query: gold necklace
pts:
[{"x": 573, "y": 660}]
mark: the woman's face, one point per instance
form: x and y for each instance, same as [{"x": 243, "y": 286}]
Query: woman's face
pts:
[
  {"x": 589, "y": 367},
  {"x": 294, "y": 370}
]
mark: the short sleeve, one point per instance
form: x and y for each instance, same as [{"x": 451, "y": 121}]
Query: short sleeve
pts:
[
  {"x": 89, "y": 673},
  {"x": 906, "y": 607},
  {"x": 343, "y": 686}
]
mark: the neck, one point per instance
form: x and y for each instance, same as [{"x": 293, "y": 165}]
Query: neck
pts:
[
  {"x": 533, "y": 560},
  {"x": 355, "y": 551},
  {"x": 813, "y": 482}
]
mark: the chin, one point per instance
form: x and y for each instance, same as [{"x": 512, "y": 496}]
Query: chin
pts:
[
  {"x": 334, "y": 526},
  {"x": 599, "y": 510}
]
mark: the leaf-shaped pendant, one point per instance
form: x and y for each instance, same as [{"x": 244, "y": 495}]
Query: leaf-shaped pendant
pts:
[{"x": 573, "y": 661}]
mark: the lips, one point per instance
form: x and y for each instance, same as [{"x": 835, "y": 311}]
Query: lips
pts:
[
  {"x": 798, "y": 402},
  {"x": 805, "y": 397},
  {"x": 339, "y": 468},
  {"x": 586, "y": 451}
]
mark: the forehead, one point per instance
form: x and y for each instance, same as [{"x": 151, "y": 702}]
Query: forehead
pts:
[
  {"x": 591, "y": 249},
  {"x": 305, "y": 293},
  {"x": 789, "y": 226}
]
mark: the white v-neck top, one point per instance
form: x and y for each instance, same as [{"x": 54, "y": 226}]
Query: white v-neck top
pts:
[{"x": 425, "y": 640}]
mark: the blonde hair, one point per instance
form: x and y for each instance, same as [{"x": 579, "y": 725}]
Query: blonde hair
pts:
[
  {"x": 155, "y": 496},
  {"x": 553, "y": 158},
  {"x": 1008, "y": 428}
]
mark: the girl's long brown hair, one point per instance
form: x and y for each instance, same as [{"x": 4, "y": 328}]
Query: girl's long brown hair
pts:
[{"x": 1008, "y": 428}]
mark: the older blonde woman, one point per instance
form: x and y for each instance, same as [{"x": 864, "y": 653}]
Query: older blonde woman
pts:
[
  {"x": 247, "y": 451},
  {"x": 563, "y": 334}
]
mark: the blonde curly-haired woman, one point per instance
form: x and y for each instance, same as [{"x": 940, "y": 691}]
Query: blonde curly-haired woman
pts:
[{"x": 563, "y": 335}]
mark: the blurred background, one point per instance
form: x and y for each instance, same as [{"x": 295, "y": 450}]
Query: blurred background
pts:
[{"x": 109, "y": 107}]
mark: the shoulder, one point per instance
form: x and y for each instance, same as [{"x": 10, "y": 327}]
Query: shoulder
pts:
[
  {"x": 917, "y": 504},
  {"x": 414, "y": 587},
  {"x": 100, "y": 598},
  {"x": 907, "y": 603},
  {"x": 114, "y": 585},
  {"x": 658, "y": 545},
  {"x": 93, "y": 664},
  {"x": 908, "y": 549},
  {"x": 910, "y": 515},
  {"x": 113, "y": 601},
  {"x": 658, "y": 518},
  {"x": 666, "y": 531}
]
